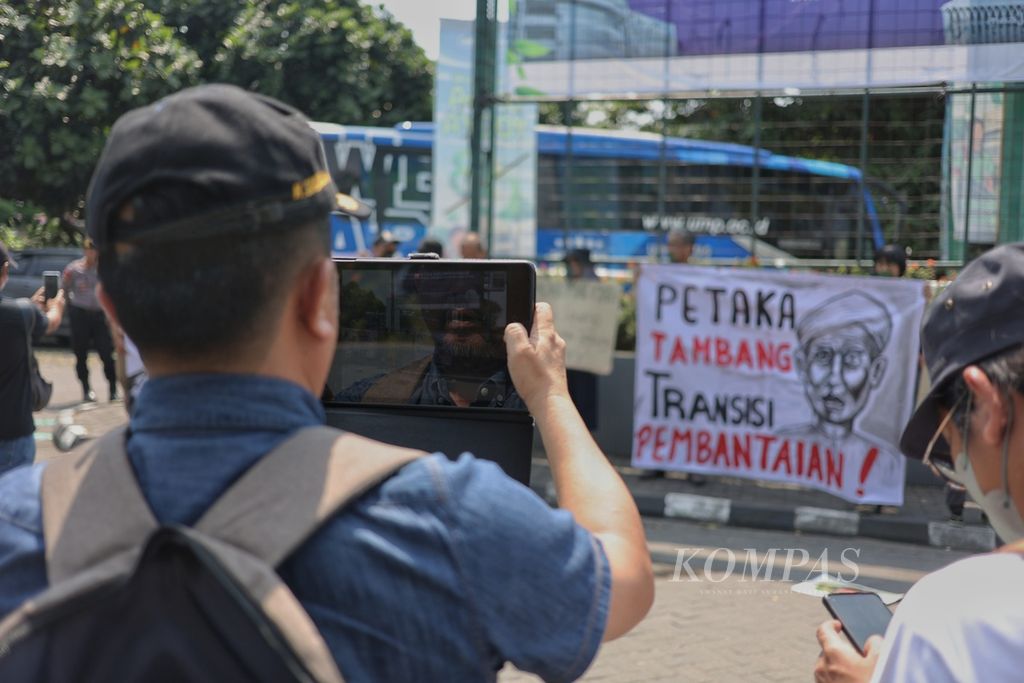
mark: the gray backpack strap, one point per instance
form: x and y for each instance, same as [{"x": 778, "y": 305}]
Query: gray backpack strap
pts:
[
  {"x": 282, "y": 499},
  {"x": 92, "y": 508}
]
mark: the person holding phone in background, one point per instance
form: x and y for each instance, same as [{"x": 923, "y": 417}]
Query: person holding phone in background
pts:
[
  {"x": 964, "y": 622},
  {"x": 19, "y": 320},
  {"x": 89, "y": 329}
]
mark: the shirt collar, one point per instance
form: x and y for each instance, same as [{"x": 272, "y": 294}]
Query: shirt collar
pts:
[{"x": 224, "y": 402}]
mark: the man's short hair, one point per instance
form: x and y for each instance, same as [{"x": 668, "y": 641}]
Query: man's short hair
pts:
[
  {"x": 212, "y": 296},
  {"x": 682, "y": 236},
  {"x": 895, "y": 254}
]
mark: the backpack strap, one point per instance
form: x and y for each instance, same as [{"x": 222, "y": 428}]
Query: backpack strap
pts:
[
  {"x": 92, "y": 508},
  {"x": 282, "y": 499}
]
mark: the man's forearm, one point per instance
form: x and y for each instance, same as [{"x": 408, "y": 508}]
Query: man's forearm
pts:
[
  {"x": 589, "y": 487},
  {"x": 586, "y": 483}
]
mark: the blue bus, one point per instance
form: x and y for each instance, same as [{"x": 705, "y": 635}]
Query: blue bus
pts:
[{"x": 619, "y": 193}]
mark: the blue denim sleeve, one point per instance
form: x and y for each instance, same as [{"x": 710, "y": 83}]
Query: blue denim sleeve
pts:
[
  {"x": 22, "y": 554},
  {"x": 540, "y": 582}
]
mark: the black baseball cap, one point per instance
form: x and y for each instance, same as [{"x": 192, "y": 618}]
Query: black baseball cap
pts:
[
  {"x": 239, "y": 162},
  {"x": 978, "y": 315}
]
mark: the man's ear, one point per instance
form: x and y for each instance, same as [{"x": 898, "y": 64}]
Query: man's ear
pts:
[
  {"x": 318, "y": 299},
  {"x": 877, "y": 370},
  {"x": 107, "y": 304},
  {"x": 991, "y": 411}
]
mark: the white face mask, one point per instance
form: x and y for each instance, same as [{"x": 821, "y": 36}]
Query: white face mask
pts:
[{"x": 997, "y": 503}]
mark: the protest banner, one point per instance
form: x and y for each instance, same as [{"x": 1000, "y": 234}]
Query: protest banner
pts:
[
  {"x": 587, "y": 318},
  {"x": 793, "y": 377}
]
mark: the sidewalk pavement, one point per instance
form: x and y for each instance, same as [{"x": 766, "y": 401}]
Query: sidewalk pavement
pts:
[{"x": 923, "y": 519}]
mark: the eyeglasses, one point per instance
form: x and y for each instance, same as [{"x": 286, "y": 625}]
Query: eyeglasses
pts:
[{"x": 940, "y": 466}]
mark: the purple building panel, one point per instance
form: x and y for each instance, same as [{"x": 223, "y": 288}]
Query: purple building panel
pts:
[{"x": 709, "y": 27}]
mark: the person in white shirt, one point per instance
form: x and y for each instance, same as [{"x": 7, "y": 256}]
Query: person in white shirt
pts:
[{"x": 964, "y": 622}]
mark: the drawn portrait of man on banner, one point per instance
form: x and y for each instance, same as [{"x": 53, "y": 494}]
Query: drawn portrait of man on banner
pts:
[{"x": 841, "y": 362}]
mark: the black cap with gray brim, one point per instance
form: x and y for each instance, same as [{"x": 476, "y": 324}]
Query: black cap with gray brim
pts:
[{"x": 978, "y": 315}]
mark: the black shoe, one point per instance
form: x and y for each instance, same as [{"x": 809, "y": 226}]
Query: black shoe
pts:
[
  {"x": 652, "y": 474},
  {"x": 697, "y": 479},
  {"x": 113, "y": 393},
  {"x": 88, "y": 396}
]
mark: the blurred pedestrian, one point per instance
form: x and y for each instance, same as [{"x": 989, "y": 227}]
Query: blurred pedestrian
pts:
[
  {"x": 131, "y": 373},
  {"x": 891, "y": 261},
  {"x": 431, "y": 246},
  {"x": 20, "y": 320},
  {"x": 582, "y": 384},
  {"x": 89, "y": 329},
  {"x": 385, "y": 245},
  {"x": 680, "y": 245},
  {"x": 680, "y": 250},
  {"x": 472, "y": 247}
]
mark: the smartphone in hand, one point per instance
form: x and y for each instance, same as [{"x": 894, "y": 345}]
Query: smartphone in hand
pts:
[
  {"x": 51, "y": 283},
  {"x": 862, "y": 615}
]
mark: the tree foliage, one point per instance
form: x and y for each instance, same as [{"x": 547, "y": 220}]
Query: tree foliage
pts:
[{"x": 70, "y": 68}]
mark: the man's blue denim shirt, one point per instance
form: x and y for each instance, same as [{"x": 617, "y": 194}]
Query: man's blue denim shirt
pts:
[{"x": 442, "y": 573}]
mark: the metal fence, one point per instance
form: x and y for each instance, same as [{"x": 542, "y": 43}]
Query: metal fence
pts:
[{"x": 820, "y": 175}]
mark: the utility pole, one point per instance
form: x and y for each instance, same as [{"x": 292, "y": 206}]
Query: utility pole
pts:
[{"x": 482, "y": 141}]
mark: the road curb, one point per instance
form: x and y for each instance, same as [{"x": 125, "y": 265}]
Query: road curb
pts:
[{"x": 726, "y": 512}]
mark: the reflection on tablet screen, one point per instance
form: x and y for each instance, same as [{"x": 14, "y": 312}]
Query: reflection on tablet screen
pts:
[{"x": 423, "y": 334}]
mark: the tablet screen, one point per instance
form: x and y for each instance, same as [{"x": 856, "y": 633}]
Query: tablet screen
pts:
[{"x": 428, "y": 333}]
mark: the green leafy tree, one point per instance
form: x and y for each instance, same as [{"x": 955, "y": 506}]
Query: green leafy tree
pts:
[
  {"x": 67, "y": 70},
  {"x": 338, "y": 61},
  {"x": 70, "y": 68}
]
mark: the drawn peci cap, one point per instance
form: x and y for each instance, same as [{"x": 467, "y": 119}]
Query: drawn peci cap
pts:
[
  {"x": 976, "y": 316},
  {"x": 218, "y": 160}
]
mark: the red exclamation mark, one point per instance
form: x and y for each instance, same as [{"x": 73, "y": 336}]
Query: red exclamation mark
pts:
[{"x": 865, "y": 468}]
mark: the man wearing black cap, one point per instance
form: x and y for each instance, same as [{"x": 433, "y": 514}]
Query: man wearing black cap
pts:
[
  {"x": 20, "y": 320},
  {"x": 210, "y": 211},
  {"x": 964, "y": 622}
]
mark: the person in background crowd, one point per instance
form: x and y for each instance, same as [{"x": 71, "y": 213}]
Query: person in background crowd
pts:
[
  {"x": 443, "y": 572},
  {"x": 431, "y": 246},
  {"x": 131, "y": 373},
  {"x": 19, "y": 320},
  {"x": 582, "y": 384},
  {"x": 385, "y": 245},
  {"x": 891, "y": 261},
  {"x": 472, "y": 247},
  {"x": 89, "y": 329},
  {"x": 964, "y": 622},
  {"x": 680, "y": 249},
  {"x": 680, "y": 245}
]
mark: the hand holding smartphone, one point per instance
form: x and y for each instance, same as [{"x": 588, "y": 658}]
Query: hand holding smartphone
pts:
[
  {"x": 862, "y": 615},
  {"x": 51, "y": 284}
]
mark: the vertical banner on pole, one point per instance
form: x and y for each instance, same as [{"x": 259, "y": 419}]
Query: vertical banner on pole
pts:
[
  {"x": 515, "y": 154},
  {"x": 453, "y": 115}
]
